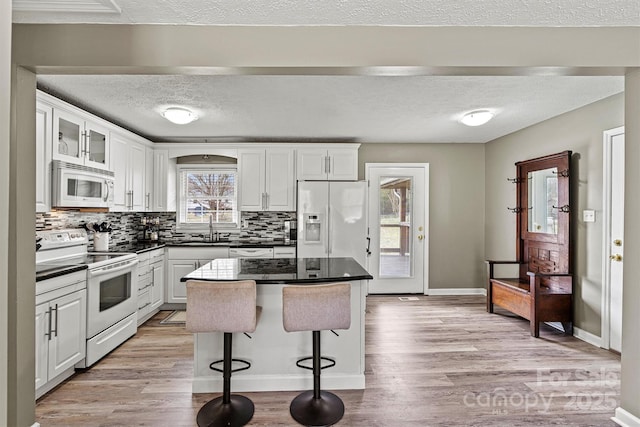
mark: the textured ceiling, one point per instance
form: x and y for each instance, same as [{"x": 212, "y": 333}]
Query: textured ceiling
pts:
[
  {"x": 355, "y": 12},
  {"x": 359, "y": 108}
]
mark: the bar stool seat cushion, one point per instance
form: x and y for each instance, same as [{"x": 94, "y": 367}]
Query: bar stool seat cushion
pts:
[
  {"x": 316, "y": 307},
  {"x": 221, "y": 306}
]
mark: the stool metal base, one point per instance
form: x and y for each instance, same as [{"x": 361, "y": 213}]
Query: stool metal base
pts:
[
  {"x": 234, "y": 414},
  {"x": 309, "y": 411}
]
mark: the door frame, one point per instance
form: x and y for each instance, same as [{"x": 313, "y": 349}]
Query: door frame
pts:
[
  {"x": 605, "y": 328},
  {"x": 427, "y": 234}
]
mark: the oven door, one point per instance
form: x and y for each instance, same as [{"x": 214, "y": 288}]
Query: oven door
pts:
[{"x": 112, "y": 294}]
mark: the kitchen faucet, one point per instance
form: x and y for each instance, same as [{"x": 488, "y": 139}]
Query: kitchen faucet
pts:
[{"x": 210, "y": 227}]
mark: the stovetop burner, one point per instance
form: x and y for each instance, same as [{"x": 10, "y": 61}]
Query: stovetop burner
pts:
[{"x": 68, "y": 248}]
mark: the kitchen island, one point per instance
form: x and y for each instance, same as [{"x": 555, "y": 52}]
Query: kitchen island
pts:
[{"x": 272, "y": 351}]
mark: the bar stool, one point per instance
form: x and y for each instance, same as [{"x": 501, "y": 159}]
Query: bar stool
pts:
[
  {"x": 226, "y": 307},
  {"x": 315, "y": 308}
]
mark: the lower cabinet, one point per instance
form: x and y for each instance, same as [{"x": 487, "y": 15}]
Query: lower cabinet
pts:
[
  {"x": 182, "y": 261},
  {"x": 150, "y": 284},
  {"x": 60, "y": 334}
]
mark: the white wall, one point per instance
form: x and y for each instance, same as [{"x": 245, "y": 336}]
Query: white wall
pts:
[{"x": 580, "y": 131}]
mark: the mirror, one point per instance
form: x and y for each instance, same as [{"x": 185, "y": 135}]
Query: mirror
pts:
[{"x": 543, "y": 196}]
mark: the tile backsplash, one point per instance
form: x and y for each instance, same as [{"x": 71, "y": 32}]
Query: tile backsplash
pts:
[{"x": 127, "y": 226}]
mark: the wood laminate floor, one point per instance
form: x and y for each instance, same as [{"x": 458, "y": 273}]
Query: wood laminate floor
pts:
[{"x": 436, "y": 361}]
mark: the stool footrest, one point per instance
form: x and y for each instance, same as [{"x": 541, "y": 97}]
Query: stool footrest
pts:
[
  {"x": 243, "y": 368},
  {"x": 331, "y": 363}
]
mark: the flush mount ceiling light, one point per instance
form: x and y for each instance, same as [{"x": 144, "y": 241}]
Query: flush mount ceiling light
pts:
[
  {"x": 179, "y": 116},
  {"x": 477, "y": 117}
]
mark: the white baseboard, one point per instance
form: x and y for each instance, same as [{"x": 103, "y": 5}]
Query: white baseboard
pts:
[
  {"x": 456, "y": 291},
  {"x": 251, "y": 383},
  {"x": 625, "y": 418},
  {"x": 587, "y": 337},
  {"x": 581, "y": 334}
]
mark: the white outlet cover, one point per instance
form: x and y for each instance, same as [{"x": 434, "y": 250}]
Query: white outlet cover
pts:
[{"x": 589, "y": 215}]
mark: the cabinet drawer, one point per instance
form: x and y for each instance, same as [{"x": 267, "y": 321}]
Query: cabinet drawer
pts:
[{"x": 280, "y": 252}]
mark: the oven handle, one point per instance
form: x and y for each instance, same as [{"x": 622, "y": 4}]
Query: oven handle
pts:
[{"x": 102, "y": 270}]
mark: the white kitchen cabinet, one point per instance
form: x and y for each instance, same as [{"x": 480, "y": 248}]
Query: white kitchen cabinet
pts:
[
  {"x": 150, "y": 284},
  {"x": 164, "y": 182},
  {"x": 327, "y": 164},
  {"x": 148, "y": 179},
  {"x": 266, "y": 179},
  {"x": 60, "y": 330},
  {"x": 128, "y": 165},
  {"x": 44, "y": 144},
  {"x": 157, "y": 282},
  {"x": 182, "y": 261},
  {"x": 78, "y": 139}
]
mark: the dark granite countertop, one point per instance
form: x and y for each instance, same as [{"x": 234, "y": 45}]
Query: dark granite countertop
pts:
[
  {"x": 281, "y": 270},
  {"x": 49, "y": 271}
]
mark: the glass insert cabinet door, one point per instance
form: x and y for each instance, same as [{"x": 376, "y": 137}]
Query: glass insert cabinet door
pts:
[{"x": 79, "y": 141}]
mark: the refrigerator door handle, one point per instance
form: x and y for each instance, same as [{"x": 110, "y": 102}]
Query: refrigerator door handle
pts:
[
  {"x": 368, "y": 246},
  {"x": 327, "y": 219}
]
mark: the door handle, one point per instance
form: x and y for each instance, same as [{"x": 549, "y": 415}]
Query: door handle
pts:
[
  {"x": 420, "y": 237},
  {"x": 616, "y": 257}
]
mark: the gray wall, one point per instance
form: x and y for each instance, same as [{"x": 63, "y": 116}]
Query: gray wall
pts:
[
  {"x": 456, "y": 206},
  {"x": 579, "y": 131},
  {"x": 5, "y": 89},
  {"x": 630, "y": 374}
]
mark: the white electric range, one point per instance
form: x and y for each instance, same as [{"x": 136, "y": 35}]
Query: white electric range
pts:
[{"x": 112, "y": 288}]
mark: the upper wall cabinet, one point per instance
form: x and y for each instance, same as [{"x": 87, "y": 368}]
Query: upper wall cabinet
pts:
[
  {"x": 266, "y": 179},
  {"x": 79, "y": 140},
  {"x": 163, "y": 198},
  {"x": 323, "y": 164},
  {"x": 44, "y": 142},
  {"x": 128, "y": 165}
]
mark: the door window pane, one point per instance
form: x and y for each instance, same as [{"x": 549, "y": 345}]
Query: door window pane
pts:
[{"x": 395, "y": 226}]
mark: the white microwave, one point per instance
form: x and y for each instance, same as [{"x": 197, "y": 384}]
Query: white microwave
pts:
[{"x": 77, "y": 186}]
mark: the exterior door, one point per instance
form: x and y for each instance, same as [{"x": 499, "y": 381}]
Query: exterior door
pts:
[
  {"x": 614, "y": 252},
  {"x": 398, "y": 247}
]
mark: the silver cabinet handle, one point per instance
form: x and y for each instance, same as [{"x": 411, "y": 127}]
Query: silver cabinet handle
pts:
[
  {"x": 327, "y": 164},
  {"x": 87, "y": 144},
  {"x": 56, "y": 324},
  {"x": 147, "y": 201},
  {"x": 48, "y": 333}
]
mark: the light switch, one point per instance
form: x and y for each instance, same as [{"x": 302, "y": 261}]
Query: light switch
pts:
[{"x": 589, "y": 215}]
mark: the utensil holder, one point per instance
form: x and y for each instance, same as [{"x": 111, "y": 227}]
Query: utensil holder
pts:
[{"x": 101, "y": 242}]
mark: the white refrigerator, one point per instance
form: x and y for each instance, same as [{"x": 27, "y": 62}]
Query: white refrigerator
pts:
[{"x": 332, "y": 220}]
